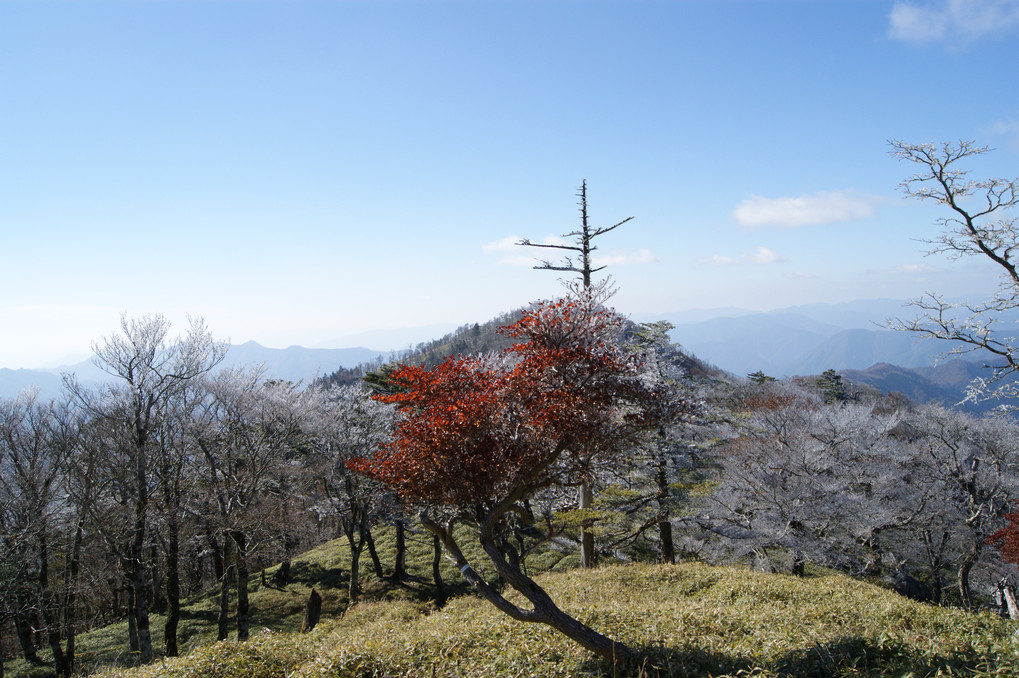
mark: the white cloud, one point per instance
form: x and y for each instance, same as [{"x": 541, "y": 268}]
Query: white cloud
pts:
[
  {"x": 916, "y": 268},
  {"x": 761, "y": 255},
  {"x": 786, "y": 213},
  {"x": 510, "y": 253},
  {"x": 952, "y": 20},
  {"x": 623, "y": 258}
]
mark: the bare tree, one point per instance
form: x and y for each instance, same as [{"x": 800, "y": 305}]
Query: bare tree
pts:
[
  {"x": 349, "y": 424},
  {"x": 965, "y": 471},
  {"x": 979, "y": 225},
  {"x": 150, "y": 369},
  {"x": 249, "y": 432},
  {"x": 577, "y": 259},
  {"x": 580, "y": 245}
]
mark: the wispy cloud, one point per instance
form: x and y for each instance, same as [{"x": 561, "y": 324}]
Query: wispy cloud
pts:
[
  {"x": 760, "y": 255},
  {"x": 953, "y": 20},
  {"x": 509, "y": 252},
  {"x": 808, "y": 210},
  {"x": 624, "y": 258},
  {"x": 915, "y": 268},
  {"x": 1008, "y": 129}
]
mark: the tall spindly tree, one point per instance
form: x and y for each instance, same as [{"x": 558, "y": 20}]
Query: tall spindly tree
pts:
[
  {"x": 577, "y": 252},
  {"x": 478, "y": 437}
]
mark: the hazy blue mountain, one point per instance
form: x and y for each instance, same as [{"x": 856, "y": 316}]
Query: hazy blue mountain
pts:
[
  {"x": 945, "y": 383},
  {"x": 293, "y": 364},
  {"x": 13, "y": 382},
  {"x": 771, "y": 342},
  {"x": 296, "y": 363},
  {"x": 807, "y": 339}
]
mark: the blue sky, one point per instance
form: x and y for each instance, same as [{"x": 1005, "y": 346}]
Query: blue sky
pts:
[{"x": 297, "y": 171}]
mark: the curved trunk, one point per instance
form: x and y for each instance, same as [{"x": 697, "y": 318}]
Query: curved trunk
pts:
[
  {"x": 544, "y": 610},
  {"x": 963, "y": 577}
]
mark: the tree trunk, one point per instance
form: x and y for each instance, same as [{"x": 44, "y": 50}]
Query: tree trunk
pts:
[
  {"x": 137, "y": 553},
  {"x": 282, "y": 575},
  {"x": 26, "y": 637},
  {"x": 400, "y": 563},
  {"x": 965, "y": 568},
  {"x": 224, "y": 591},
  {"x": 50, "y": 606},
  {"x": 356, "y": 546},
  {"x": 217, "y": 555},
  {"x": 667, "y": 550},
  {"x": 440, "y": 586},
  {"x": 240, "y": 541},
  {"x": 312, "y": 612},
  {"x": 141, "y": 609},
  {"x": 798, "y": 567},
  {"x": 172, "y": 588},
  {"x": 132, "y": 619},
  {"x": 376, "y": 562},
  {"x": 52, "y": 617},
  {"x": 586, "y": 535},
  {"x": 70, "y": 591},
  {"x": 544, "y": 610},
  {"x": 1010, "y": 602}
]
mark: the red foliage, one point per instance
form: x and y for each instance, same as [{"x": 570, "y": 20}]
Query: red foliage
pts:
[
  {"x": 484, "y": 430},
  {"x": 1006, "y": 540}
]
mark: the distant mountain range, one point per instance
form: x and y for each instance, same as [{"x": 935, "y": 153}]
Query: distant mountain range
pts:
[
  {"x": 294, "y": 363},
  {"x": 805, "y": 339},
  {"x": 851, "y": 338}
]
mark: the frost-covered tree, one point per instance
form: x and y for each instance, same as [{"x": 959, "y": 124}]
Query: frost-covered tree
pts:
[{"x": 980, "y": 223}]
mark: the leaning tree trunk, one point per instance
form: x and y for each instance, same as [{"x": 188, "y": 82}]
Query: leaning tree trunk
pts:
[
  {"x": 543, "y": 608},
  {"x": 963, "y": 578},
  {"x": 376, "y": 562}
]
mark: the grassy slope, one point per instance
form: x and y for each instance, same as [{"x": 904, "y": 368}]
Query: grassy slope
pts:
[{"x": 693, "y": 620}]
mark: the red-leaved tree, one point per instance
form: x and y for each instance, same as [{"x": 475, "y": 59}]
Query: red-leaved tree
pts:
[
  {"x": 1006, "y": 540},
  {"x": 479, "y": 436}
]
